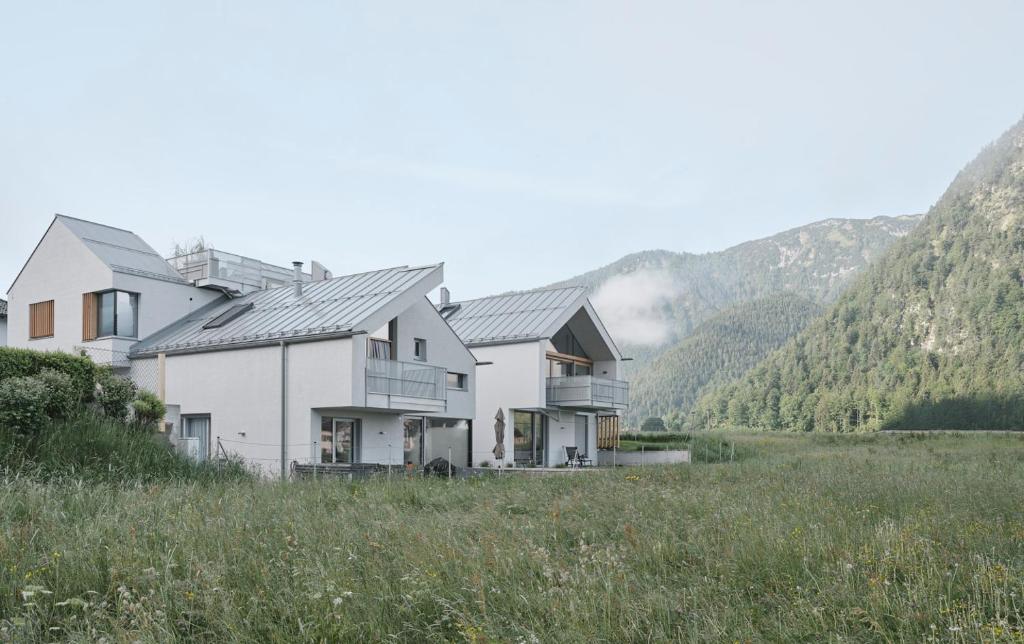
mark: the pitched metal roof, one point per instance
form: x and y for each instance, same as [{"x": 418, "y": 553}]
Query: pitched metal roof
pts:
[
  {"x": 334, "y": 307},
  {"x": 3, "y": 308},
  {"x": 122, "y": 250},
  {"x": 515, "y": 317}
]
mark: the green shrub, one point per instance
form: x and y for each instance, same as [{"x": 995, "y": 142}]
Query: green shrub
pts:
[
  {"x": 114, "y": 393},
  {"x": 653, "y": 424},
  {"x": 23, "y": 402},
  {"x": 94, "y": 448},
  {"x": 63, "y": 397},
  {"x": 25, "y": 362},
  {"x": 149, "y": 410}
]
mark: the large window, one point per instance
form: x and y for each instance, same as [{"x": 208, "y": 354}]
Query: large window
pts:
[
  {"x": 40, "y": 320},
  {"x": 195, "y": 432},
  {"x": 339, "y": 440},
  {"x": 529, "y": 437},
  {"x": 110, "y": 313}
]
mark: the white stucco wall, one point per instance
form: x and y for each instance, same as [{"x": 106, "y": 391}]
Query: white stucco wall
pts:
[
  {"x": 514, "y": 380},
  {"x": 60, "y": 269},
  {"x": 444, "y": 349}
]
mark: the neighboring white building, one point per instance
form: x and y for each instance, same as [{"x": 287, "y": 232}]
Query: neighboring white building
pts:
[
  {"x": 3, "y": 323},
  {"x": 98, "y": 288},
  {"x": 353, "y": 369},
  {"x": 547, "y": 362}
]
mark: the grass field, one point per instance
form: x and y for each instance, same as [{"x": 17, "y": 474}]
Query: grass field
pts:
[{"x": 802, "y": 538}]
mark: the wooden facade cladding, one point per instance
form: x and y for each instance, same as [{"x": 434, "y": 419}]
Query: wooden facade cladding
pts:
[
  {"x": 607, "y": 432},
  {"x": 89, "y": 331},
  {"x": 40, "y": 320}
]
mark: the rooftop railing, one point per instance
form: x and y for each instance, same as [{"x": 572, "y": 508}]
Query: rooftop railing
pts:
[{"x": 249, "y": 274}]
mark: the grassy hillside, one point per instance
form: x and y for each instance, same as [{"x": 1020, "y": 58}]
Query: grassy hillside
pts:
[
  {"x": 931, "y": 336},
  {"x": 807, "y": 538},
  {"x": 719, "y": 351}
]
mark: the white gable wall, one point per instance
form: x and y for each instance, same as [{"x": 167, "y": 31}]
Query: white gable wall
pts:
[{"x": 60, "y": 269}]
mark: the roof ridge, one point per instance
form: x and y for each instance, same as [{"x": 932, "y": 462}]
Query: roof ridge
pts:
[
  {"x": 95, "y": 223},
  {"x": 546, "y": 289}
]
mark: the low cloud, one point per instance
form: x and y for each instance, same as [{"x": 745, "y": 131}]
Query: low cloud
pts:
[{"x": 633, "y": 306}]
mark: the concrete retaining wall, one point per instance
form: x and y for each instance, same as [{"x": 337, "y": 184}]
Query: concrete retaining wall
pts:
[{"x": 666, "y": 457}]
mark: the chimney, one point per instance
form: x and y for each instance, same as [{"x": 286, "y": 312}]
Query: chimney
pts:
[
  {"x": 297, "y": 280},
  {"x": 446, "y": 296}
]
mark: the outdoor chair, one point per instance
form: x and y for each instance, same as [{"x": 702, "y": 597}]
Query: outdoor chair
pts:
[{"x": 575, "y": 458}]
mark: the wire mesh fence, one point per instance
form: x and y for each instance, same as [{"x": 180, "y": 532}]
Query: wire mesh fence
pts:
[{"x": 141, "y": 372}]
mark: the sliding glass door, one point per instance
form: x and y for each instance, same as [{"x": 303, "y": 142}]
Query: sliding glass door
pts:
[
  {"x": 339, "y": 440},
  {"x": 413, "y": 443},
  {"x": 529, "y": 437}
]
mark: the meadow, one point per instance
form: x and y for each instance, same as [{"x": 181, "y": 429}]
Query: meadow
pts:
[{"x": 799, "y": 538}]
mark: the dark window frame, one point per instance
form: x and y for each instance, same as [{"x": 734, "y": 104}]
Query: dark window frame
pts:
[{"x": 99, "y": 312}]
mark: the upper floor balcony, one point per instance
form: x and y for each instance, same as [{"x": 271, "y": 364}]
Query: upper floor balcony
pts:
[
  {"x": 226, "y": 271},
  {"x": 587, "y": 392},
  {"x": 406, "y": 386}
]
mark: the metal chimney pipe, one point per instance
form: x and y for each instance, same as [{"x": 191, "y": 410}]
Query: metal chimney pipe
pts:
[
  {"x": 446, "y": 295},
  {"x": 297, "y": 280}
]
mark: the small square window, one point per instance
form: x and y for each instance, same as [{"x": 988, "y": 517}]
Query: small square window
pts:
[
  {"x": 457, "y": 381},
  {"x": 419, "y": 349}
]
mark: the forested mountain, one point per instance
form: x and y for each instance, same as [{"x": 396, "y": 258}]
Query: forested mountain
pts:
[
  {"x": 684, "y": 289},
  {"x": 931, "y": 336},
  {"x": 719, "y": 351},
  {"x": 652, "y": 301}
]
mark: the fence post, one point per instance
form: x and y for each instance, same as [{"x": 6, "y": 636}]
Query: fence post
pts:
[{"x": 642, "y": 448}]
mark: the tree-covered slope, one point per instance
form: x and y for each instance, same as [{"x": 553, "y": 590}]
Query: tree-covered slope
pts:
[
  {"x": 720, "y": 350},
  {"x": 931, "y": 336}
]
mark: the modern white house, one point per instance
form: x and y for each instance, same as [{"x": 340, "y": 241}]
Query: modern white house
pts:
[
  {"x": 96, "y": 288},
  {"x": 347, "y": 370},
  {"x": 3, "y": 323},
  {"x": 549, "y": 365},
  {"x": 274, "y": 365},
  {"x": 282, "y": 367}
]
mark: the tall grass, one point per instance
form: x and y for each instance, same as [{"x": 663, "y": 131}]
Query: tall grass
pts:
[
  {"x": 808, "y": 538},
  {"x": 96, "y": 448}
]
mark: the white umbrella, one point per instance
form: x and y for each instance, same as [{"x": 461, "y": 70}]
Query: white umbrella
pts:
[{"x": 499, "y": 436}]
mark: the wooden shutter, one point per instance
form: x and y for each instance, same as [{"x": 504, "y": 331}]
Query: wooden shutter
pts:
[
  {"x": 89, "y": 316},
  {"x": 40, "y": 320},
  {"x": 607, "y": 432}
]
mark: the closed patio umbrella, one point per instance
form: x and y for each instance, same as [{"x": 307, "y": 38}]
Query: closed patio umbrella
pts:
[{"x": 499, "y": 436}]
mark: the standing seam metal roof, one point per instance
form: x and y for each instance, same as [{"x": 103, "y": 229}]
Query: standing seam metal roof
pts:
[
  {"x": 516, "y": 316},
  {"x": 334, "y": 306},
  {"x": 122, "y": 250}
]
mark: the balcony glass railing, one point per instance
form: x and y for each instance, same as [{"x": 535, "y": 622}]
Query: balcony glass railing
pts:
[
  {"x": 588, "y": 391},
  {"x": 249, "y": 274},
  {"x": 408, "y": 379}
]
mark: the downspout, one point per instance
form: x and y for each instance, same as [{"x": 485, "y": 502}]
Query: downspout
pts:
[{"x": 284, "y": 411}]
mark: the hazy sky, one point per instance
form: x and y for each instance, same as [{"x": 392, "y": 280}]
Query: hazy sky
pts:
[{"x": 520, "y": 142}]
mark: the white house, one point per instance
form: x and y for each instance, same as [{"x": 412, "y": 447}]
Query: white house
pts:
[
  {"x": 352, "y": 369},
  {"x": 547, "y": 362},
  {"x": 96, "y": 288},
  {"x": 3, "y": 323}
]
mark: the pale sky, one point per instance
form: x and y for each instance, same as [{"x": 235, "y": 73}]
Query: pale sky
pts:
[{"x": 519, "y": 142}]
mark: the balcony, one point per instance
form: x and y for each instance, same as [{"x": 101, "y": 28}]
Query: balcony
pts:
[
  {"x": 226, "y": 271},
  {"x": 406, "y": 386},
  {"x": 587, "y": 392}
]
